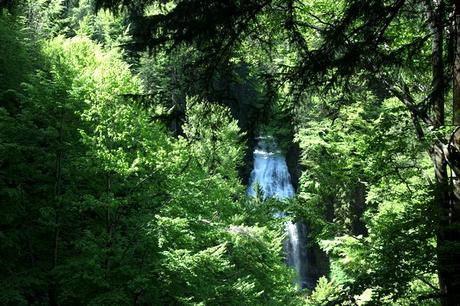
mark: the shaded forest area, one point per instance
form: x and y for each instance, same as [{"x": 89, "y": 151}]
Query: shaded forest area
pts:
[{"x": 126, "y": 138}]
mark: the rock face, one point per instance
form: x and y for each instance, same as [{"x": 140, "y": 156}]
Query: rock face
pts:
[
  {"x": 292, "y": 160},
  {"x": 317, "y": 262}
]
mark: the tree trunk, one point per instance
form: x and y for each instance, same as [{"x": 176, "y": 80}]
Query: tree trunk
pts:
[
  {"x": 456, "y": 65},
  {"x": 449, "y": 226},
  {"x": 447, "y": 190},
  {"x": 435, "y": 13},
  {"x": 52, "y": 287},
  {"x": 446, "y": 241}
]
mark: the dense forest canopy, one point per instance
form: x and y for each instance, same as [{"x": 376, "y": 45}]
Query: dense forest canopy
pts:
[{"x": 127, "y": 131}]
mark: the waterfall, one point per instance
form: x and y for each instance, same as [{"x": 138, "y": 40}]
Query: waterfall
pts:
[{"x": 272, "y": 177}]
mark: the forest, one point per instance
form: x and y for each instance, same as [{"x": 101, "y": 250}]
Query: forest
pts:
[{"x": 229, "y": 152}]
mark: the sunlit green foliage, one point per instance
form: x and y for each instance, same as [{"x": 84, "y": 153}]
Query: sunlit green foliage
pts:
[
  {"x": 363, "y": 161},
  {"x": 101, "y": 205}
]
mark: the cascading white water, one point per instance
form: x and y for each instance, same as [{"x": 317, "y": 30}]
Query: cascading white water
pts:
[{"x": 272, "y": 177}]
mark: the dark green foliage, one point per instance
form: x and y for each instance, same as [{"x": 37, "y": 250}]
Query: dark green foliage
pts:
[{"x": 214, "y": 26}]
